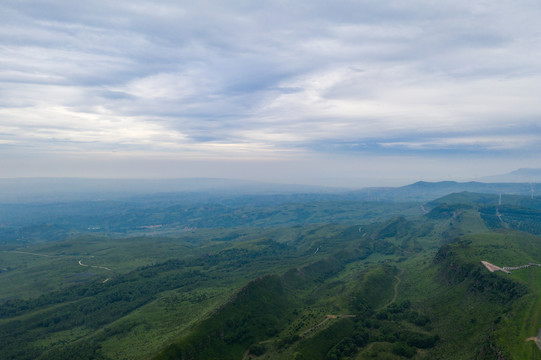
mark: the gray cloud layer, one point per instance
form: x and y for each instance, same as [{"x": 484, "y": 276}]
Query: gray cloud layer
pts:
[{"x": 270, "y": 79}]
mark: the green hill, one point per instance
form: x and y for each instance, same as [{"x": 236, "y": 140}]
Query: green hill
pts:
[{"x": 404, "y": 287}]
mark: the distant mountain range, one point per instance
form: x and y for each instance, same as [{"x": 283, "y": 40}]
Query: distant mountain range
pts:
[
  {"x": 519, "y": 175},
  {"x": 45, "y": 190},
  {"x": 426, "y": 191}
]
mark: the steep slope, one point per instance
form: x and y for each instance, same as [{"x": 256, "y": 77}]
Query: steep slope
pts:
[{"x": 489, "y": 314}]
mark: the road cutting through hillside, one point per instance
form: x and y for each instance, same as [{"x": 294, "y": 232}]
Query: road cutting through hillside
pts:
[
  {"x": 395, "y": 290},
  {"x": 537, "y": 339},
  {"x": 327, "y": 318},
  {"x": 506, "y": 269}
]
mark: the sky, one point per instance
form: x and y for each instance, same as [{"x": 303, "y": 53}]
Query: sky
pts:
[{"x": 345, "y": 93}]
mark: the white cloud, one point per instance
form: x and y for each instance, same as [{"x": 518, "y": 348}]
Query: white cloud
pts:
[
  {"x": 270, "y": 78},
  {"x": 54, "y": 126},
  {"x": 494, "y": 142}
]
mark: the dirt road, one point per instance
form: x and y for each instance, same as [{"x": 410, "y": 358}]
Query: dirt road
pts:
[{"x": 94, "y": 266}]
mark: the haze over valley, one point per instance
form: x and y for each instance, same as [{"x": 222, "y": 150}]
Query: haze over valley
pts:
[{"x": 270, "y": 180}]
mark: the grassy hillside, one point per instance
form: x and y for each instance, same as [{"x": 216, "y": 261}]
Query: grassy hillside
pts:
[
  {"x": 473, "y": 308},
  {"x": 406, "y": 287}
]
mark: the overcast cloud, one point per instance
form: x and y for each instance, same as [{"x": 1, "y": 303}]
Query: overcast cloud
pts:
[{"x": 104, "y": 89}]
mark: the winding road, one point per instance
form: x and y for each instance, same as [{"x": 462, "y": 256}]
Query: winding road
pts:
[
  {"x": 94, "y": 266},
  {"x": 29, "y": 253},
  {"x": 327, "y": 318},
  {"x": 395, "y": 289}
]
